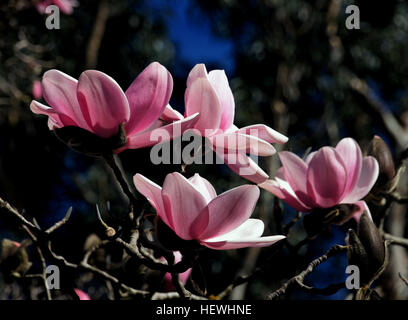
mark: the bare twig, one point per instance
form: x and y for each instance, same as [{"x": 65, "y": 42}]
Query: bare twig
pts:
[
  {"x": 60, "y": 223},
  {"x": 18, "y": 215},
  {"x": 405, "y": 280},
  {"x": 396, "y": 240},
  {"x": 97, "y": 34},
  {"x": 110, "y": 160},
  {"x": 298, "y": 279},
  {"x": 43, "y": 275}
]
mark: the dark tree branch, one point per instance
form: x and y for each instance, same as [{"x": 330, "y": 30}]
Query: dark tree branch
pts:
[{"x": 298, "y": 280}]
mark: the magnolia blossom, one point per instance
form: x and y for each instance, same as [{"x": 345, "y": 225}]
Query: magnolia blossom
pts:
[
  {"x": 37, "y": 89},
  {"x": 97, "y": 103},
  {"x": 328, "y": 177},
  {"x": 210, "y": 95},
  {"x": 81, "y": 295},
  {"x": 66, "y": 6},
  {"x": 168, "y": 281},
  {"x": 192, "y": 209}
]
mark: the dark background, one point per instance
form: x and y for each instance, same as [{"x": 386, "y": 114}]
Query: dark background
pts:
[{"x": 292, "y": 65}]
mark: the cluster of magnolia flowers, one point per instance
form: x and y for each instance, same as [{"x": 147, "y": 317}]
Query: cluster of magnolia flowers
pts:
[{"x": 96, "y": 105}]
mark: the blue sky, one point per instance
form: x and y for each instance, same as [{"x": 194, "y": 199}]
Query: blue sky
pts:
[{"x": 192, "y": 35}]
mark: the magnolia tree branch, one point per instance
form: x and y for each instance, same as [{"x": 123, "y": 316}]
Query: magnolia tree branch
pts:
[
  {"x": 298, "y": 279},
  {"x": 43, "y": 275},
  {"x": 405, "y": 280},
  {"x": 119, "y": 175},
  {"x": 396, "y": 240}
]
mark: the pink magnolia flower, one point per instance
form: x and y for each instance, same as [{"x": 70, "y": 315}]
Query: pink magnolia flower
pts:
[
  {"x": 82, "y": 295},
  {"x": 211, "y": 96},
  {"x": 192, "y": 209},
  {"x": 37, "y": 89},
  {"x": 168, "y": 282},
  {"x": 66, "y": 6},
  {"x": 97, "y": 103},
  {"x": 328, "y": 177}
]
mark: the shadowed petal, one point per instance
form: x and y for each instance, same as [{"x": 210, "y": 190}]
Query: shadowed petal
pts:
[
  {"x": 201, "y": 97},
  {"x": 220, "y": 83},
  {"x": 60, "y": 92},
  {"x": 244, "y": 166},
  {"x": 229, "y": 210},
  {"x": 148, "y": 97},
  {"x": 152, "y": 192},
  {"x": 326, "y": 177},
  {"x": 170, "y": 115},
  {"x": 295, "y": 171},
  {"x": 350, "y": 152},
  {"x": 56, "y": 119},
  {"x": 361, "y": 207},
  {"x": 199, "y": 71},
  {"x": 102, "y": 102},
  {"x": 184, "y": 202},
  {"x": 205, "y": 187},
  {"x": 282, "y": 190},
  {"x": 368, "y": 176},
  {"x": 66, "y": 6},
  {"x": 161, "y": 134}
]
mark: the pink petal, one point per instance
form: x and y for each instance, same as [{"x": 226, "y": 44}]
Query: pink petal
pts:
[
  {"x": 201, "y": 97},
  {"x": 220, "y": 83},
  {"x": 81, "y": 295},
  {"x": 60, "y": 92},
  {"x": 161, "y": 134},
  {"x": 350, "y": 152},
  {"x": 66, "y": 6},
  {"x": 170, "y": 115},
  {"x": 57, "y": 120},
  {"x": 244, "y": 166},
  {"x": 102, "y": 102},
  {"x": 310, "y": 157},
  {"x": 295, "y": 171},
  {"x": 148, "y": 97},
  {"x": 265, "y": 133},
  {"x": 368, "y": 177},
  {"x": 37, "y": 89},
  {"x": 236, "y": 142},
  {"x": 204, "y": 186},
  {"x": 168, "y": 281},
  {"x": 184, "y": 202},
  {"x": 229, "y": 210},
  {"x": 282, "y": 190},
  {"x": 326, "y": 177},
  {"x": 153, "y": 194},
  {"x": 199, "y": 71},
  {"x": 247, "y": 234},
  {"x": 361, "y": 207}
]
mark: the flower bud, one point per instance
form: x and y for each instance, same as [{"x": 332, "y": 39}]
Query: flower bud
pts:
[
  {"x": 366, "y": 250},
  {"x": 379, "y": 150},
  {"x": 14, "y": 260}
]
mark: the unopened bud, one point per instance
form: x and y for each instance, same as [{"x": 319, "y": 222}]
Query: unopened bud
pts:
[
  {"x": 372, "y": 241},
  {"x": 380, "y": 151},
  {"x": 14, "y": 260},
  {"x": 366, "y": 249}
]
